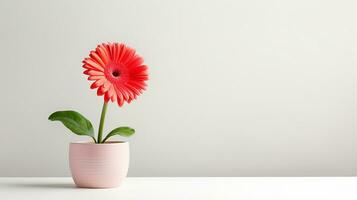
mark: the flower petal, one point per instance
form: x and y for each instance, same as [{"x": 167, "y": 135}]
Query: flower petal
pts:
[
  {"x": 97, "y": 83},
  {"x": 133, "y": 89},
  {"x": 110, "y": 92},
  {"x": 140, "y": 70},
  {"x": 108, "y": 50},
  {"x": 97, "y": 58},
  {"x": 111, "y": 51},
  {"x": 122, "y": 92},
  {"x": 120, "y": 97},
  {"x": 138, "y": 85},
  {"x": 122, "y": 51},
  {"x": 91, "y": 78},
  {"x": 93, "y": 64},
  {"x": 129, "y": 92},
  {"x": 100, "y": 91},
  {"x": 136, "y": 61},
  {"x": 115, "y": 51},
  {"x": 128, "y": 55},
  {"x": 114, "y": 97},
  {"x": 102, "y": 52},
  {"x": 106, "y": 97},
  {"x": 93, "y": 72},
  {"x": 120, "y": 101}
]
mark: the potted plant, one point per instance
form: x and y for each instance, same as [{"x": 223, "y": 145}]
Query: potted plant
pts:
[{"x": 119, "y": 75}]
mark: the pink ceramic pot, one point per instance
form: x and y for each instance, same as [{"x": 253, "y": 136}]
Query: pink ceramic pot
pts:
[{"x": 99, "y": 165}]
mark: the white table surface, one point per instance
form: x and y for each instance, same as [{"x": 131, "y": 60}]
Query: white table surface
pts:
[{"x": 250, "y": 188}]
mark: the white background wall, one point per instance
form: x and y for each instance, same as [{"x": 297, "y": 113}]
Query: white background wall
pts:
[{"x": 238, "y": 88}]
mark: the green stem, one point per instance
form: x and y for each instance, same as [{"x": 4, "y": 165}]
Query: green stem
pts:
[
  {"x": 101, "y": 124},
  {"x": 105, "y": 139}
]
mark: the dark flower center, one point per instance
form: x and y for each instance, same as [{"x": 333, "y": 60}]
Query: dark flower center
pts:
[{"x": 116, "y": 73}]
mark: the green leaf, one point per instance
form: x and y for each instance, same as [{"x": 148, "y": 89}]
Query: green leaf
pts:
[
  {"x": 122, "y": 131},
  {"x": 74, "y": 121}
]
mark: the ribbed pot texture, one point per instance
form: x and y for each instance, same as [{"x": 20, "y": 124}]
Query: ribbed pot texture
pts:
[{"x": 98, "y": 165}]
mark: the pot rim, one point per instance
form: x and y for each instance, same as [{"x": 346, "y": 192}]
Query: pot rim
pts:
[{"x": 106, "y": 143}]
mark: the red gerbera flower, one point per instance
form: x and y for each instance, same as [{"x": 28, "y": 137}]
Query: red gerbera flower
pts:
[{"x": 117, "y": 71}]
